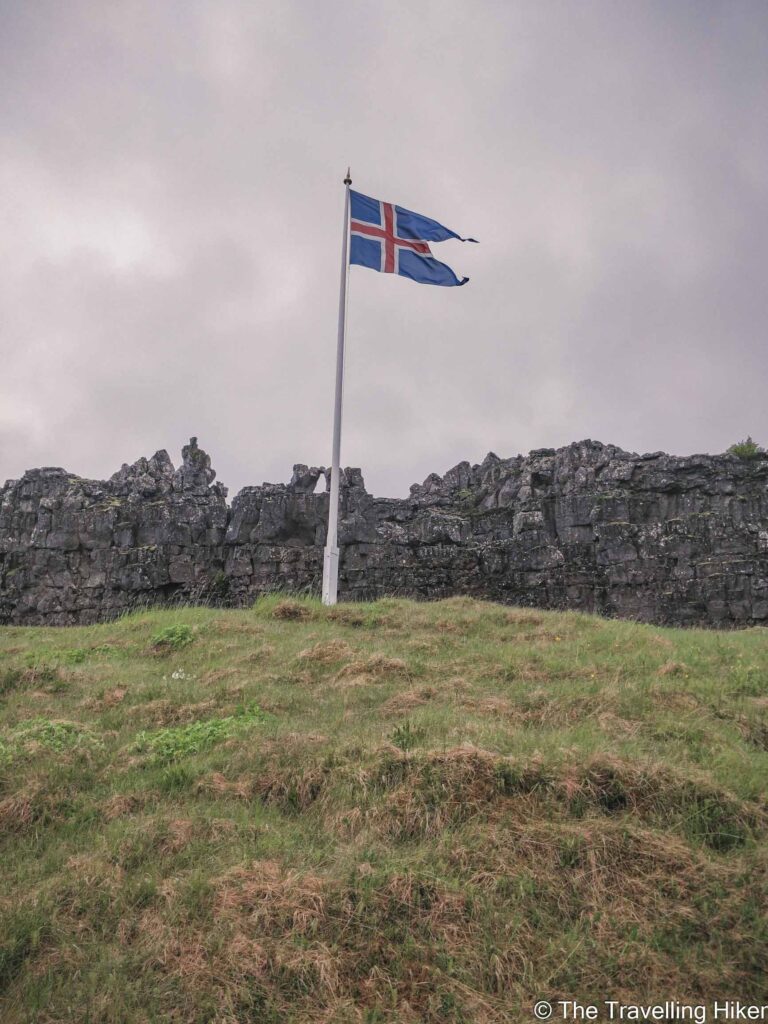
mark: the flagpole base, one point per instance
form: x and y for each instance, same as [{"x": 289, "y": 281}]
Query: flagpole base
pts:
[{"x": 330, "y": 574}]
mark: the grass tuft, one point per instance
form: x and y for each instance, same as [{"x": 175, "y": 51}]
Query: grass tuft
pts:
[
  {"x": 178, "y": 742},
  {"x": 172, "y": 638}
]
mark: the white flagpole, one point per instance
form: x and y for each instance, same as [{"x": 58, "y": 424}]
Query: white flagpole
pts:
[{"x": 331, "y": 554}]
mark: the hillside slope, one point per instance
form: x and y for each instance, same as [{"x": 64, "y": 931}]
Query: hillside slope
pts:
[{"x": 382, "y": 812}]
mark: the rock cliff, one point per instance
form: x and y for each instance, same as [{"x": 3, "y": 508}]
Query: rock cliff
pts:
[{"x": 650, "y": 537}]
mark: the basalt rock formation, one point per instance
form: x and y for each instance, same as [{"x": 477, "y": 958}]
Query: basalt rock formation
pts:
[{"x": 652, "y": 537}]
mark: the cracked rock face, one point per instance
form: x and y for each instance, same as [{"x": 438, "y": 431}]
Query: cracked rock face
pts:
[{"x": 590, "y": 527}]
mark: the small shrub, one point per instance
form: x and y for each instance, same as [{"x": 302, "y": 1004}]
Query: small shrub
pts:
[
  {"x": 75, "y": 656},
  {"x": 172, "y": 638},
  {"x": 407, "y": 736},
  {"x": 466, "y": 497},
  {"x": 746, "y": 450}
]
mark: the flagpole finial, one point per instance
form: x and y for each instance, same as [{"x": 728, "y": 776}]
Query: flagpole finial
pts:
[{"x": 348, "y": 179}]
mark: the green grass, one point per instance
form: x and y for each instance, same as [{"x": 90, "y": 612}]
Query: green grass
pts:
[
  {"x": 179, "y": 742},
  {"x": 377, "y": 813}
]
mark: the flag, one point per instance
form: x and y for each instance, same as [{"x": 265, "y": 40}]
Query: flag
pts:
[{"x": 393, "y": 240}]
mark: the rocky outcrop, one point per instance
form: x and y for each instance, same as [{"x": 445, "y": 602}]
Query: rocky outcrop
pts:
[{"x": 652, "y": 537}]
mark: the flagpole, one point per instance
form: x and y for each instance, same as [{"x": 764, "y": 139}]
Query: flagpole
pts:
[{"x": 331, "y": 554}]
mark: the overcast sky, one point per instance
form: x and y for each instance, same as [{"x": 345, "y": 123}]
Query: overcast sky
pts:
[{"x": 170, "y": 227}]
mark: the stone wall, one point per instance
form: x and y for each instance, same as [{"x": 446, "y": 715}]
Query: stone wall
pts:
[{"x": 652, "y": 537}]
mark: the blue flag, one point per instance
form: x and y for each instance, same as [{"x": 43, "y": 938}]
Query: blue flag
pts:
[{"x": 392, "y": 240}]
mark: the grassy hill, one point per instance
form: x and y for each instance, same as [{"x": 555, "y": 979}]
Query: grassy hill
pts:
[{"x": 376, "y": 813}]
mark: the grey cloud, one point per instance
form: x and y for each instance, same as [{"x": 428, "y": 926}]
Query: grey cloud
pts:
[{"x": 171, "y": 195}]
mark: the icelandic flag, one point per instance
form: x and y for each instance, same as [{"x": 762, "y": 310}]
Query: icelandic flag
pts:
[{"x": 392, "y": 240}]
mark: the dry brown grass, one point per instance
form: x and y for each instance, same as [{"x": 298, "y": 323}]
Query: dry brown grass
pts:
[
  {"x": 351, "y": 682},
  {"x": 499, "y": 707},
  {"x": 374, "y": 667},
  {"x": 122, "y": 804},
  {"x": 292, "y": 611},
  {"x": 346, "y": 616},
  {"x": 405, "y": 702},
  {"x": 541, "y": 710},
  {"x": 291, "y": 789},
  {"x": 326, "y": 652},
  {"x": 95, "y": 871},
  {"x": 269, "y": 907},
  {"x": 448, "y": 626},
  {"x": 615, "y": 725},
  {"x": 180, "y": 834},
  {"x": 677, "y": 700},
  {"x": 43, "y": 675},
  {"x": 110, "y": 699},
  {"x": 673, "y": 668},
  {"x": 523, "y": 617},
  {"x": 620, "y": 878},
  {"x": 220, "y": 675},
  {"x": 272, "y": 898},
  {"x": 249, "y": 955},
  {"x": 20, "y": 811},
  {"x": 164, "y": 712},
  {"x": 219, "y": 785},
  {"x": 662, "y": 641},
  {"x": 257, "y": 656}
]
